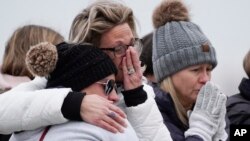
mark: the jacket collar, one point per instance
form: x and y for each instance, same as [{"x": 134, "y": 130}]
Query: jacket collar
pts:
[{"x": 166, "y": 106}]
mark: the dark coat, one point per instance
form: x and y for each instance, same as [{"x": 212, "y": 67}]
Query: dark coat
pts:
[
  {"x": 4, "y": 137},
  {"x": 238, "y": 106},
  {"x": 171, "y": 120}
]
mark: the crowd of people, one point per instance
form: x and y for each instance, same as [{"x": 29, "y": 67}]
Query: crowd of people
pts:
[{"x": 105, "y": 83}]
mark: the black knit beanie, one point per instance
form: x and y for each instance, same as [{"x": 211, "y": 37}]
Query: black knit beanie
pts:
[{"x": 77, "y": 66}]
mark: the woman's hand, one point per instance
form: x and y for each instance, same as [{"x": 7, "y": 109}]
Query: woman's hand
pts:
[
  {"x": 131, "y": 70},
  {"x": 101, "y": 112},
  {"x": 208, "y": 112}
]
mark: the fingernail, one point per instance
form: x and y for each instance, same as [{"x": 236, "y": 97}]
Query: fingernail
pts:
[
  {"x": 125, "y": 125},
  {"x": 115, "y": 131},
  {"x": 121, "y": 131}
]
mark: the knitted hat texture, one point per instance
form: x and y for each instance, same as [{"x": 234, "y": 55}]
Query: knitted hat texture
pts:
[
  {"x": 69, "y": 65},
  {"x": 177, "y": 42}
]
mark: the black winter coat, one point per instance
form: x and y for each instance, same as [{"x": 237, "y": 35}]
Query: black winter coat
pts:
[{"x": 238, "y": 106}]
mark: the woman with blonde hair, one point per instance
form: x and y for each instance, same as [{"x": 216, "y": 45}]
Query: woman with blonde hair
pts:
[
  {"x": 59, "y": 63},
  {"x": 110, "y": 26},
  {"x": 193, "y": 108}
]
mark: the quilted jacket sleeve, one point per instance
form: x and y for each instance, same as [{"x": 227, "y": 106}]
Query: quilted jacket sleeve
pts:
[
  {"x": 147, "y": 119},
  {"x": 26, "y": 107}
]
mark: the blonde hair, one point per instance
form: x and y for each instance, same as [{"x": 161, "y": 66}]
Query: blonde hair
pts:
[
  {"x": 20, "y": 42},
  {"x": 246, "y": 64},
  {"x": 101, "y": 16},
  {"x": 167, "y": 86}
]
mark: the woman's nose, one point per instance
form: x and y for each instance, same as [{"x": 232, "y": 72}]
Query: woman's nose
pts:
[
  {"x": 113, "y": 96},
  {"x": 205, "y": 76}
]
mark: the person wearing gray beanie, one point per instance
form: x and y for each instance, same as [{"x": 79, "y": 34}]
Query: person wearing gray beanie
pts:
[
  {"x": 65, "y": 65},
  {"x": 183, "y": 58}
]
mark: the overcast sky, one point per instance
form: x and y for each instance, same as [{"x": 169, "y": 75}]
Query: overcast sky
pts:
[{"x": 225, "y": 22}]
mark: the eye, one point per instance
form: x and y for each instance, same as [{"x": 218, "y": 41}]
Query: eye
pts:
[
  {"x": 195, "y": 69},
  {"x": 119, "y": 49},
  {"x": 209, "y": 69}
]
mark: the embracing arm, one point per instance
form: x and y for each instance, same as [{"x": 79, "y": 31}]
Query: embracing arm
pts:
[
  {"x": 25, "y": 107},
  {"x": 28, "y": 107}
]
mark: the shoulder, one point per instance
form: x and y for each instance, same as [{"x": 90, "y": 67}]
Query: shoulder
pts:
[
  {"x": 238, "y": 109},
  {"x": 75, "y": 127},
  {"x": 83, "y": 131},
  {"x": 27, "y": 135},
  {"x": 237, "y": 100}
]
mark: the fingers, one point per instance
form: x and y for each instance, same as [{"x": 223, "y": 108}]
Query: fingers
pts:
[
  {"x": 207, "y": 95},
  {"x": 124, "y": 67},
  {"x": 211, "y": 99},
  {"x": 214, "y": 95},
  {"x": 200, "y": 97},
  {"x": 130, "y": 65},
  {"x": 111, "y": 121},
  {"x": 132, "y": 73},
  {"x": 129, "y": 60},
  {"x": 133, "y": 55},
  {"x": 120, "y": 115},
  {"x": 222, "y": 100},
  {"x": 95, "y": 110},
  {"x": 107, "y": 126},
  {"x": 117, "y": 110},
  {"x": 220, "y": 104},
  {"x": 131, "y": 80}
]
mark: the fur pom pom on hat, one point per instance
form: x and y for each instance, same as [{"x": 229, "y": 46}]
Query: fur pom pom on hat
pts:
[
  {"x": 41, "y": 59},
  {"x": 69, "y": 65},
  {"x": 170, "y": 10},
  {"x": 177, "y": 42}
]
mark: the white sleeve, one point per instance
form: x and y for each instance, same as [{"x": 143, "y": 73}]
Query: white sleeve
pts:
[
  {"x": 25, "y": 107},
  {"x": 147, "y": 120}
]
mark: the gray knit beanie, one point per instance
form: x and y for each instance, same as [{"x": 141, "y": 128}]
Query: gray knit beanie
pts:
[{"x": 177, "y": 42}]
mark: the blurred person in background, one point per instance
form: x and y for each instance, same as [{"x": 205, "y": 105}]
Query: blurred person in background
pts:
[
  {"x": 146, "y": 58},
  {"x": 238, "y": 105},
  {"x": 13, "y": 68}
]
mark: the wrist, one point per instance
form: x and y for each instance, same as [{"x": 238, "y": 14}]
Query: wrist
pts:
[
  {"x": 135, "y": 96},
  {"x": 71, "y": 106}
]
